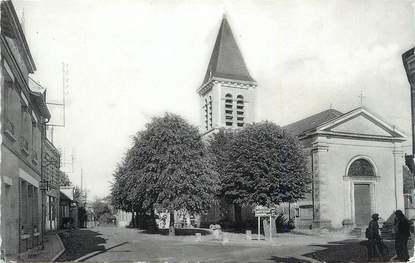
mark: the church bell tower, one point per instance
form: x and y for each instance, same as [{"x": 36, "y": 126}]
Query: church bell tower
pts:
[{"x": 228, "y": 91}]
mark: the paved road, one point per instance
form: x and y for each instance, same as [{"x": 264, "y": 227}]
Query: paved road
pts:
[{"x": 121, "y": 244}]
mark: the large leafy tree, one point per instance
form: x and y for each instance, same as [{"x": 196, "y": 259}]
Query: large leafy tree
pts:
[
  {"x": 264, "y": 165},
  {"x": 121, "y": 188},
  {"x": 220, "y": 147},
  {"x": 168, "y": 168}
]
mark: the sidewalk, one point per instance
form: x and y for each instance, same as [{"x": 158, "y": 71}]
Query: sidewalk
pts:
[{"x": 53, "y": 247}]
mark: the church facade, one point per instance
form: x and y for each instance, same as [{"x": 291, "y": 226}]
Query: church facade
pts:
[
  {"x": 356, "y": 162},
  {"x": 355, "y": 159}
]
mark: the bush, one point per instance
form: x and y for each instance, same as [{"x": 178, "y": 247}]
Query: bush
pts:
[
  {"x": 291, "y": 224},
  {"x": 281, "y": 224}
]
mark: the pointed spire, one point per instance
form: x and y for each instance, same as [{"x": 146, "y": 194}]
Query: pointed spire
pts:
[{"x": 226, "y": 60}]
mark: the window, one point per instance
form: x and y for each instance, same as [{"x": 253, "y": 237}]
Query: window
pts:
[
  {"x": 25, "y": 130},
  {"x": 206, "y": 115},
  {"x": 240, "y": 110},
  {"x": 9, "y": 127},
  {"x": 210, "y": 112},
  {"x": 361, "y": 167},
  {"x": 8, "y": 86},
  {"x": 228, "y": 110},
  {"x": 35, "y": 142}
]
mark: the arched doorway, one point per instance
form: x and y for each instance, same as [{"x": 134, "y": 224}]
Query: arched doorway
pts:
[{"x": 361, "y": 171}]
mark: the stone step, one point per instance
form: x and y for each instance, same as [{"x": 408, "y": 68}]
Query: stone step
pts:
[{"x": 356, "y": 232}]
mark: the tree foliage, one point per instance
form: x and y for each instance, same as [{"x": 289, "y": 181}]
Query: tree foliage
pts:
[
  {"x": 408, "y": 181},
  {"x": 64, "y": 179},
  {"x": 102, "y": 210},
  {"x": 121, "y": 188},
  {"x": 167, "y": 168},
  {"x": 260, "y": 164},
  {"x": 79, "y": 196}
]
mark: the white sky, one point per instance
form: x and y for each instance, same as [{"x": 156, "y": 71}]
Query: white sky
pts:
[{"x": 130, "y": 60}]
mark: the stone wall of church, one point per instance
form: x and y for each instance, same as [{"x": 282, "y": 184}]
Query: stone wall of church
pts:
[
  {"x": 213, "y": 105},
  {"x": 334, "y": 189}
]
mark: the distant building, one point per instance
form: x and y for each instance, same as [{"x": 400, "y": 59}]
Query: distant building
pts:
[
  {"x": 68, "y": 208},
  {"x": 50, "y": 175},
  {"x": 356, "y": 162},
  {"x": 23, "y": 117}
]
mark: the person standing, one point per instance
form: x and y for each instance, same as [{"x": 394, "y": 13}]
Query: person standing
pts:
[
  {"x": 402, "y": 235},
  {"x": 372, "y": 234}
]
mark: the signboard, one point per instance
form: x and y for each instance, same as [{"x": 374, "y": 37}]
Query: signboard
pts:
[{"x": 262, "y": 211}]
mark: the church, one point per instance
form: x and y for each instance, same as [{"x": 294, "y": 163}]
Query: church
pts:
[{"x": 356, "y": 158}]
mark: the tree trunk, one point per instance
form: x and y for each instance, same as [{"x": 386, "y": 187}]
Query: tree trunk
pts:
[
  {"x": 137, "y": 218},
  {"x": 238, "y": 215},
  {"x": 172, "y": 231},
  {"x": 153, "y": 224},
  {"x": 132, "y": 223}
]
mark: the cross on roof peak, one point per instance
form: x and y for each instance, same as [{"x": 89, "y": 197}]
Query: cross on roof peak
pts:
[{"x": 362, "y": 97}]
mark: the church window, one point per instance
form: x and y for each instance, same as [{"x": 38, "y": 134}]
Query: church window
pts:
[
  {"x": 361, "y": 167},
  {"x": 210, "y": 111},
  {"x": 240, "y": 110},
  {"x": 228, "y": 110},
  {"x": 206, "y": 115}
]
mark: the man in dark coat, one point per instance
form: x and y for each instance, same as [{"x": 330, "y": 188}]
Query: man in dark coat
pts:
[
  {"x": 372, "y": 234},
  {"x": 402, "y": 235}
]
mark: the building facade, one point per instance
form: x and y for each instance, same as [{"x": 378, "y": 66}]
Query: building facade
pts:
[
  {"x": 23, "y": 117},
  {"x": 50, "y": 175},
  {"x": 356, "y": 162},
  {"x": 68, "y": 209}
]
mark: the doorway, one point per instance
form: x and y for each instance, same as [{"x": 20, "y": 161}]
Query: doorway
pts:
[{"x": 362, "y": 204}]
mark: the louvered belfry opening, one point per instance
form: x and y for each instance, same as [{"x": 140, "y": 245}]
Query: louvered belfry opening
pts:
[{"x": 228, "y": 110}]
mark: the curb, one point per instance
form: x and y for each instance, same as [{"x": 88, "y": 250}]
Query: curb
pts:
[
  {"x": 60, "y": 252},
  {"x": 88, "y": 256}
]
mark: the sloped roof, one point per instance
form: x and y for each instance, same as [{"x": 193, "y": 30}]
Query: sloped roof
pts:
[
  {"x": 38, "y": 95},
  {"x": 66, "y": 193},
  {"x": 11, "y": 27},
  {"x": 312, "y": 122},
  {"x": 226, "y": 60}
]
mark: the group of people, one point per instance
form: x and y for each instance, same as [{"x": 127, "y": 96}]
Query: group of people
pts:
[{"x": 401, "y": 231}]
